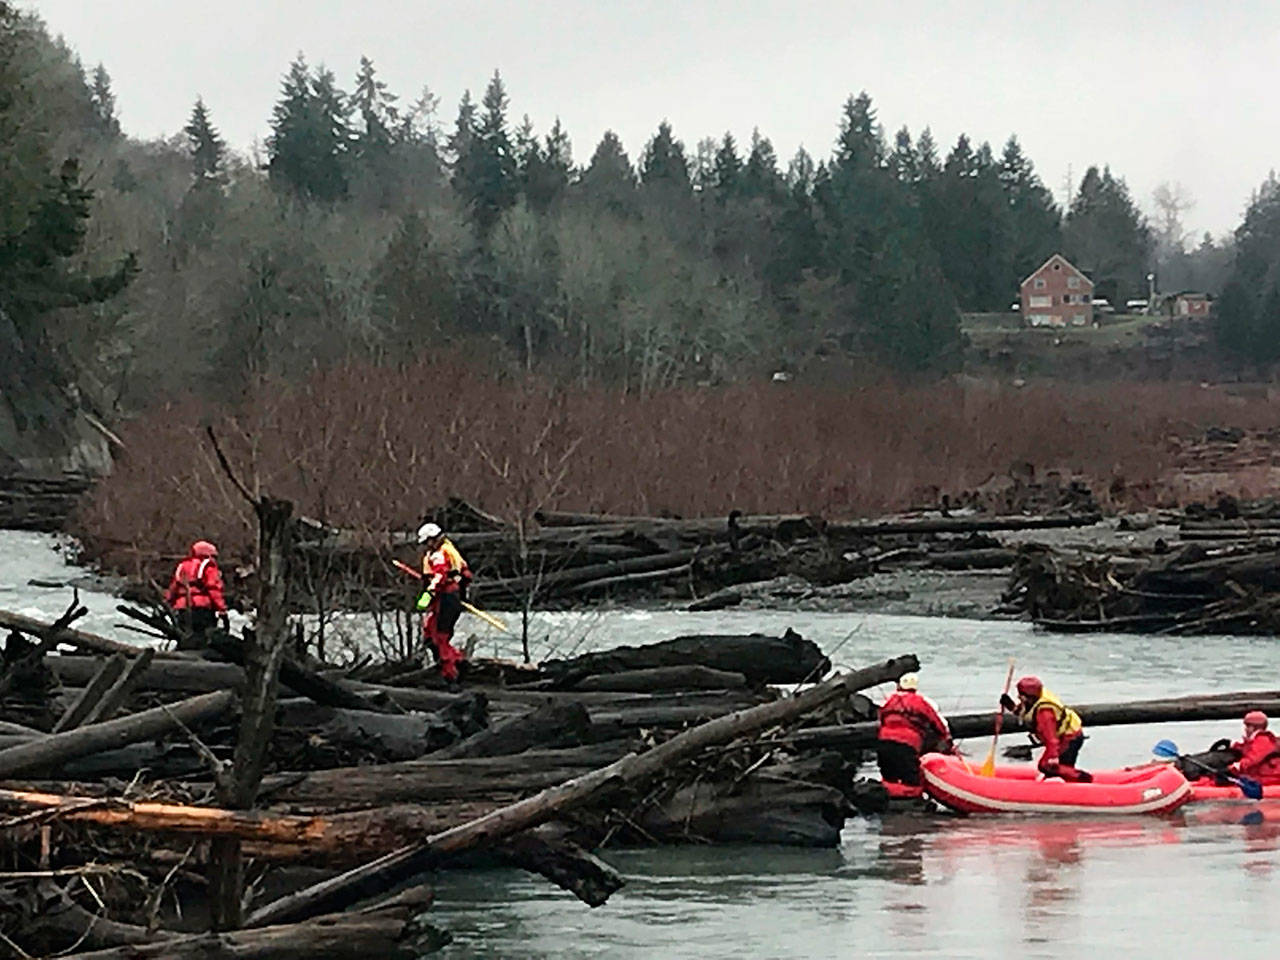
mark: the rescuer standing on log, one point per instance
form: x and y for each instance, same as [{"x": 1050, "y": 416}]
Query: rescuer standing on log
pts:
[
  {"x": 195, "y": 593},
  {"x": 910, "y": 725},
  {"x": 1054, "y": 725},
  {"x": 445, "y": 577}
]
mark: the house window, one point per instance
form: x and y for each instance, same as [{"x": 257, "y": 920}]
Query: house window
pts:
[
  {"x": 1073, "y": 283},
  {"x": 1039, "y": 283},
  {"x": 1057, "y": 266},
  {"x": 1042, "y": 301}
]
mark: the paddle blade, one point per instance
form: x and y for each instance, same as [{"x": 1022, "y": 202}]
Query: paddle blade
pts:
[
  {"x": 1165, "y": 749},
  {"x": 988, "y": 768},
  {"x": 1250, "y": 788}
]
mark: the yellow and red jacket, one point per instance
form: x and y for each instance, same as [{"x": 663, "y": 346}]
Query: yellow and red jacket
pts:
[
  {"x": 444, "y": 570},
  {"x": 1052, "y": 721}
]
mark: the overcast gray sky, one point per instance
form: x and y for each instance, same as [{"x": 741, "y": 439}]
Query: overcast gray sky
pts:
[{"x": 1162, "y": 91}]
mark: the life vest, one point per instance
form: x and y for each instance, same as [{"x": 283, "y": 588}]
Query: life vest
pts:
[
  {"x": 1069, "y": 722},
  {"x": 912, "y": 718},
  {"x": 197, "y": 583},
  {"x": 444, "y": 569}
]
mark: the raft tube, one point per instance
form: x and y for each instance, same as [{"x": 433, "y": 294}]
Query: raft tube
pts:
[
  {"x": 1206, "y": 791},
  {"x": 958, "y": 785}
]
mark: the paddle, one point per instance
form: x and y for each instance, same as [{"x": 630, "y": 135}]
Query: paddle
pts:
[
  {"x": 988, "y": 768},
  {"x": 486, "y": 617},
  {"x": 1168, "y": 750}
]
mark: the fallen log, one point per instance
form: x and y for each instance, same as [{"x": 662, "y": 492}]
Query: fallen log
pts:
[
  {"x": 549, "y": 726},
  {"x": 631, "y": 770},
  {"x": 388, "y": 930},
  {"x": 92, "y": 694},
  {"x": 171, "y": 676},
  {"x": 302, "y": 679},
  {"x": 384, "y": 736},
  {"x": 578, "y": 575},
  {"x": 58, "y": 748},
  {"x": 75, "y": 638},
  {"x": 1233, "y": 706},
  {"x": 761, "y": 659},
  {"x": 114, "y": 698},
  {"x": 438, "y": 780},
  {"x": 877, "y": 528},
  {"x": 662, "y": 680},
  {"x": 546, "y": 851},
  {"x": 631, "y": 579}
]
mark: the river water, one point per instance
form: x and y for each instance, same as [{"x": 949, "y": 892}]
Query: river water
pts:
[{"x": 899, "y": 886}]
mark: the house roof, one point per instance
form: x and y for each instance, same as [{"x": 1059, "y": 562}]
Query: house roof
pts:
[{"x": 1069, "y": 265}]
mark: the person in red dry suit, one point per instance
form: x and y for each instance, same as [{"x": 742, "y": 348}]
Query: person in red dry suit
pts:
[
  {"x": 1053, "y": 724},
  {"x": 195, "y": 593},
  {"x": 445, "y": 578},
  {"x": 910, "y": 724},
  {"x": 1259, "y": 751}
]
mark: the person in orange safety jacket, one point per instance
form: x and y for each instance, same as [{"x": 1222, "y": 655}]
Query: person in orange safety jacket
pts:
[
  {"x": 1259, "y": 751},
  {"x": 445, "y": 577},
  {"x": 195, "y": 592},
  {"x": 1054, "y": 725},
  {"x": 910, "y": 724}
]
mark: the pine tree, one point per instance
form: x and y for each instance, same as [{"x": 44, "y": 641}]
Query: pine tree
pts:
[
  {"x": 927, "y": 164},
  {"x": 904, "y": 161},
  {"x": 206, "y": 148},
  {"x": 727, "y": 168},
  {"x": 464, "y": 131},
  {"x": 860, "y": 144},
  {"x": 1035, "y": 221},
  {"x": 104, "y": 103},
  {"x": 609, "y": 178},
  {"x": 487, "y": 177},
  {"x": 760, "y": 176},
  {"x": 375, "y": 106},
  {"x": 548, "y": 180},
  {"x": 310, "y": 138},
  {"x": 663, "y": 164},
  {"x": 1106, "y": 236}
]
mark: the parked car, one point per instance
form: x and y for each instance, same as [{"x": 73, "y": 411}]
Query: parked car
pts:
[
  {"x": 1136, "y": 306},
  {"x": 1101, "y": 305}
]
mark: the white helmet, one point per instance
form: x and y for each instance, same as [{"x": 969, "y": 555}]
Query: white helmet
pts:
[
  {"x": 909, "y": 681},
  {"x": 428, "y": 532}
]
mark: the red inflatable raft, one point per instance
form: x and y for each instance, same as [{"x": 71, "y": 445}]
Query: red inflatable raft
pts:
[{"x": 958, "y": 785}]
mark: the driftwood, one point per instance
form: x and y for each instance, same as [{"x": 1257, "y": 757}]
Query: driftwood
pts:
[
  {"x": 40, "y": 502},
  {"x": 382, "y": 736},
  {"x": 632, "y": 769},
  {"x": 72, "y": 637},
  {"x": 761, "y": 659},
  {"x": 92, "y": 694},
  {"x": 549, "y": 726},
  {"x": 114, "y": 698},
  {"x": 662, "y": 680},
  {"x": 387, "y": 930},
  {"x": 49, "y": 752},
  {"x": 437, "y": 780}
]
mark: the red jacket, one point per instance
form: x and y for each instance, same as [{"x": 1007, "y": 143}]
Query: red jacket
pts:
[
  {"x": 197, "y": 582},
  {"x": 1259, "y": 757},
  {"x": 908, "y": 717}
]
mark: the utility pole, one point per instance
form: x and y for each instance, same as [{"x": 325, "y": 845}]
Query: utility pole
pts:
[{"x": 1069, "y": 186}]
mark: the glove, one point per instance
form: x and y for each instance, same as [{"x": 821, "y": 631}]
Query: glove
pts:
[
  {"x": 1006, "y": 703},
  {"x": 225, "y": 622},
  {"x": 424, "y": 600}
]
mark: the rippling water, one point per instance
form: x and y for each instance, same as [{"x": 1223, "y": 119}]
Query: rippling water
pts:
[{"x": 901, "y": 886}]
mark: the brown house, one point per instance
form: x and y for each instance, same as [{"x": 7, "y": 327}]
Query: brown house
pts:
[
  {"x": 1057, "y": 295},
  {"x": 1187, "y": 304}
]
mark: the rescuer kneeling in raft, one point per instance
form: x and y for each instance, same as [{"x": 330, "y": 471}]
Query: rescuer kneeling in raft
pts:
[{"x": 1052, "y": 724}]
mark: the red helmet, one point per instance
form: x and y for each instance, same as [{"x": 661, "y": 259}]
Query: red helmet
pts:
[
  {"x": 1255, "y": 718},
  {"x": 1030, "y": 687},
  {"x": 203, "y": 548}
]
